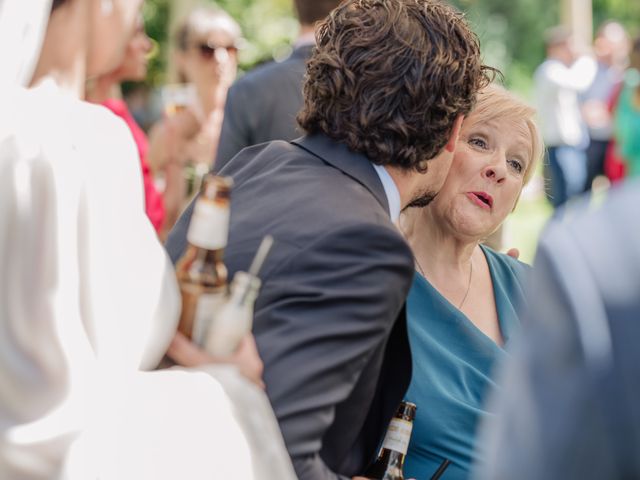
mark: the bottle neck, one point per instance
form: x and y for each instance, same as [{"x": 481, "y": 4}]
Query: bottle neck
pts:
[
  {"x": 206, "y": 267},
  {"x": 244, "y": 289}
]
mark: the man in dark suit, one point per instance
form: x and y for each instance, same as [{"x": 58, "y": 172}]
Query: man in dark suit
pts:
[
  {"x": 387, "y": 87},
  {"x": 570, "y": 406},
  {"x": 262, "y": 105}
]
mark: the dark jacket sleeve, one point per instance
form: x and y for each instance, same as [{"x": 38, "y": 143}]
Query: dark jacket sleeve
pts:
[
  {"x": 236, "y": 125},
  {"x": 320, "y": 317}
]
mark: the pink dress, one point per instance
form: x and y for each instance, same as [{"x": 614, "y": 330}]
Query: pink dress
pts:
[{"x": 154, "y": 204}]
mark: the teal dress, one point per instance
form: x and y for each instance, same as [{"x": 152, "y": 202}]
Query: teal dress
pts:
[
  {"x": 627, "y": 123},
  {"x": 453, "y": 362}
]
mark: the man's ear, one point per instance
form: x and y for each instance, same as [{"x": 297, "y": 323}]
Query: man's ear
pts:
[{"x": 455, "y": 133}]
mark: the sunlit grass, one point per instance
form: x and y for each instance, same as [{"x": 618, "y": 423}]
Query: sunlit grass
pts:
[{"x": 523, "y": 227}]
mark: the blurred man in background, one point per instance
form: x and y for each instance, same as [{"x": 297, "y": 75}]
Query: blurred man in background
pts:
[
  {"x": 262, "y": 105},
  {"x": 558, "y": 81}
]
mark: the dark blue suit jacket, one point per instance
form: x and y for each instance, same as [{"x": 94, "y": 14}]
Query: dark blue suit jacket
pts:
[
  {"x": 571, "y": 403},
  {"x": 262, "y": 106},
  {"x": 328, "y": 322}
]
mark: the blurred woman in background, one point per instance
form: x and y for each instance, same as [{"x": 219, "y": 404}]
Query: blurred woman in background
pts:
[{"x": 184, "y": 143}]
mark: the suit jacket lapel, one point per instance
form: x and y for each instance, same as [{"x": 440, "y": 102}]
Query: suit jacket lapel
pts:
[{"x": 356, "y": 165}]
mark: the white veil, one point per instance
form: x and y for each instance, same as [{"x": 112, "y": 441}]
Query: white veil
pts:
[
  {"x": 87, "y": 296},
  {"x": 22, "y": 27}
]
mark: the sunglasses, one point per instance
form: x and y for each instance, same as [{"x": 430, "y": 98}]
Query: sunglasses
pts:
[{"x": 221, "y": 54}]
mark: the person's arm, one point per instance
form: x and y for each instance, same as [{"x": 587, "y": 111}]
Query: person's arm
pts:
[
  {"x": 166, "y": 156},
  {"x": 319, "y": 320},
  {"x": 578, "y": 76}
]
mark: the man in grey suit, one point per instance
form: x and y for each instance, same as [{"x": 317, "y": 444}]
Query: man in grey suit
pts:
[
  {"x": 570, "y": 406},
  {"x": 262, "y": 105},
  {"x": 387, "y": 88}
]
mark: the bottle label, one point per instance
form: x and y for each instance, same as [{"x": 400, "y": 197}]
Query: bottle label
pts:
[
  {"x": 398, "y": 436},
  {"x": 209, "y": 226},
  {"x": 206, "y": 310}
]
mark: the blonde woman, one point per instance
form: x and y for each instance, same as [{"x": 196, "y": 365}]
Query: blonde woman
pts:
[{"x": 463, "y": 306}]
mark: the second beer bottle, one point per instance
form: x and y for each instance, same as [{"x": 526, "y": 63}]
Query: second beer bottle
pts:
[
  {"x": 201, "y": 272},
  {"x": 388, "y": 465}
]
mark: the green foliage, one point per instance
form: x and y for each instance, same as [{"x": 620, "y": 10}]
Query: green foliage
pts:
[
  {"x": 626, "y": 12},
  {"x": 269, "y": 27},
  {"x": 156, "y": 16},
  {"x": 511, "y": 31}
]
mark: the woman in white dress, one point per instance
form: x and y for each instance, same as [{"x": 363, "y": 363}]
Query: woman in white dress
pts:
[{"x": 87, "y": 296}]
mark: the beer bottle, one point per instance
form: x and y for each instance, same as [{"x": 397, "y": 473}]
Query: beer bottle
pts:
[
  {"x": 388, "y": 465},
  {"x": 235, "y": 317},
  {"x": 201, "y": 272}
]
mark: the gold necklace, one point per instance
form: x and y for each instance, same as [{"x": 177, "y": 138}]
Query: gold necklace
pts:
[{"x": 466, "y": 294}]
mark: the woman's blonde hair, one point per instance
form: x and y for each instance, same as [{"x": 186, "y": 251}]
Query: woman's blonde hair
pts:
[
  {"x": 204, "y": 19},
  {"x": 496, "y": 102}
]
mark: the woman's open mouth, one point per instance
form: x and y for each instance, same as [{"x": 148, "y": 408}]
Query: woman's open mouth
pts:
[{"x": 482, "y": 199}]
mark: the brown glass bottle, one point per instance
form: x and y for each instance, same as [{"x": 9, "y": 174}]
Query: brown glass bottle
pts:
[
  {"x": 201, "y": 272},
  {"x": 388, "y": 465}
]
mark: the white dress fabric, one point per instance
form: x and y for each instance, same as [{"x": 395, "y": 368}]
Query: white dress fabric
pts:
[{"x": 88, "y": 300}]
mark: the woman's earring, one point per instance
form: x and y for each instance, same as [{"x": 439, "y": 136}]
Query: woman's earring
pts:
[{"x": 106, "y": 7}]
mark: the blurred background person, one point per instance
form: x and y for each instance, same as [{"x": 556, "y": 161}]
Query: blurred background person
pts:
[
  {"x": 183, "y": 144},
  {"x": 88, "y": 296},
  {"x": 462, "y": 309},
  {"x": 611, "y": 49},
  {"x": 105, "y": 90},
  {"x": 627, "y": 115},
  {"x": 558, "y": 81},
  {"x": 263, "y": 104},
  {"x": 569, "y": 406}
]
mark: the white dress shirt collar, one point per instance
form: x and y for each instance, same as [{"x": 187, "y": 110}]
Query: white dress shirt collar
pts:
[{"x": 391, "y": 191}]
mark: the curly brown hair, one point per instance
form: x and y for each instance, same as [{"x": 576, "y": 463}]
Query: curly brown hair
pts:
[{"x": 389, "y": 78}]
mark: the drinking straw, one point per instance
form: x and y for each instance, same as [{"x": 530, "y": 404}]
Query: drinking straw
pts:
[
  {"x": 261, "y": 255},
  {"x": 443, "y": 466}
]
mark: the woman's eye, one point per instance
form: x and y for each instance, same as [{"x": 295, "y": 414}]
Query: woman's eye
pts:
[
  {"x": 516, "y": 165},
  {"x": 478, "y": 142}
]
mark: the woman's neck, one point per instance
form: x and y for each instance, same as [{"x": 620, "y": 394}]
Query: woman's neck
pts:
[
  {"x": 102, "y": 89},
  {"x": 438, "y": 252}
]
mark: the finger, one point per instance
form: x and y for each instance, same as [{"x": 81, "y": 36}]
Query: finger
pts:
[
  {"x": 186, "y": 353},
  {"x": 514, "y": 253}
]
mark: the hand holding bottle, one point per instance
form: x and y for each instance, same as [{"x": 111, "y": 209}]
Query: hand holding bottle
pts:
[{"x": 246, "y": 357}]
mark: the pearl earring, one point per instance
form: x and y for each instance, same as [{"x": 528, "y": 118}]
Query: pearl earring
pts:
[{"x": 106, "y": 7}]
